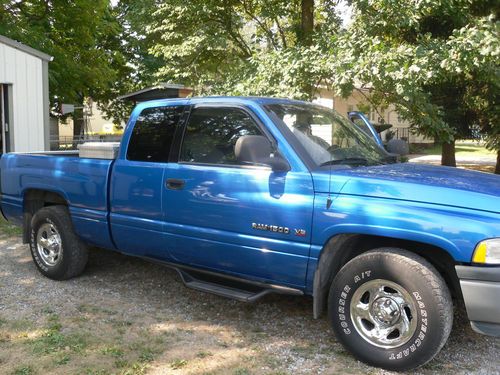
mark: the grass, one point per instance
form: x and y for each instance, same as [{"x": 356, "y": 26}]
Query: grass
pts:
[
  {"x": 228, "y": 340},
  {"x": 24, "y": 370},
  {"x": 56, "y": 344},
  {"x": 468, "y": 150},
  {"x": 9, "y": 229},
  {"x": 53, "y": 340},
  {"x": 462, "y": 148},
  {"x": 177, "y": 364}
]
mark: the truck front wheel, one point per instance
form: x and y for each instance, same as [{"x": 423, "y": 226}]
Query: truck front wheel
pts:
[
  {"x": 56, "y": 250},
  {"x": 391, "y": 309}
]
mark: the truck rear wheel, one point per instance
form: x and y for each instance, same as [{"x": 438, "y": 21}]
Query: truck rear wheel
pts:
[
  {"x": 391, "y": 309},
  {"x": 56, "y": 250}
]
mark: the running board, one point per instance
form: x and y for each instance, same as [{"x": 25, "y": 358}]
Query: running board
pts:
[
  {"x": 241, "y": 289},
  {"x": 238, "y": 294}
]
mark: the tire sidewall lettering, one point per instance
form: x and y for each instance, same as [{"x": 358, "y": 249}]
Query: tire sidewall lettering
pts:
[
  {"x": 33, "y": 245},
  {"x": 343, "y": 308}
]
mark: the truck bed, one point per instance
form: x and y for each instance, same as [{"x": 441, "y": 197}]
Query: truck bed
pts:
[{"x": 83, "y": 183}]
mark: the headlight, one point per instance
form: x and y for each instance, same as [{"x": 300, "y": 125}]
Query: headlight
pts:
[{"x": 487, "y": 252}]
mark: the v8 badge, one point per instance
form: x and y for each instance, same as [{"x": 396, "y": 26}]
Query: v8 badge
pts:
[{"x": 300, "y": 232}]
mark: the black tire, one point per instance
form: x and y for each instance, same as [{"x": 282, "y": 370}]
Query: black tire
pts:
[
  {"x": 72, "y": 254},
  {"x": 387, "y": 275}
]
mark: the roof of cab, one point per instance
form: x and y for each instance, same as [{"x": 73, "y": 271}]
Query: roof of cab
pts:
[{"x": 217, "y": 99}]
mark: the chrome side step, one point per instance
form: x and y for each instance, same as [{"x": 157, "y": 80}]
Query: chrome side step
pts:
[
  {"x": 231, "y": 292},
  {"x": 220, "y": 289},
  {"x": 225, "y": 285}
]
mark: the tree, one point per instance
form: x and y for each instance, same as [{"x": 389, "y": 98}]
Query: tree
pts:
[
  {"x": 437, "y": 61},
  {"x": 140, "y": 66},
  {"x": 256, "y": 47},
  {"x": 82, "y": 35}
]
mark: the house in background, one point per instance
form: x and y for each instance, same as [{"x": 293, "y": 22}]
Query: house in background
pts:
[
  {"x": 96, "y": 126},
  {"x": 357, "y": 101},
  {"x": 24, "y": 97}
]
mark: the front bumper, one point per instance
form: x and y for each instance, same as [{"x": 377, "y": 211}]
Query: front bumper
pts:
[{"x": 481, "y": 291}]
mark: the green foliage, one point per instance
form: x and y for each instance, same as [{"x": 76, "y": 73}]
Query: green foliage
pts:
[
  {"x": 79, "y": 34},
  {"x": 437, "y": 61},
  {"x": 139, "y": 66},
  {"x": 83, "y": 36},
  {"x": 242, "y": 47}
]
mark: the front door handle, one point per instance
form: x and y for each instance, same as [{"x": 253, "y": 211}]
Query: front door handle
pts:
[{"x": 175, "y": 184}]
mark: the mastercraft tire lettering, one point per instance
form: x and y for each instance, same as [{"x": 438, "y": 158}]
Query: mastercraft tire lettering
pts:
[{"x": 391, "y": 309}]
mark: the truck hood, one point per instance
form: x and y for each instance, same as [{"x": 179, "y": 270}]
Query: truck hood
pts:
[{"x": 416, "y": 182}]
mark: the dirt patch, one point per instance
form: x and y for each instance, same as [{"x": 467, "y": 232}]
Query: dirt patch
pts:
[{"x": 127, "y": 316}]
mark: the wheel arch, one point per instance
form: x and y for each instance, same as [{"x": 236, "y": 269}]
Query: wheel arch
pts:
[
  {"x": 341, "y": 248},
  {"x": 34, "y": 200}
]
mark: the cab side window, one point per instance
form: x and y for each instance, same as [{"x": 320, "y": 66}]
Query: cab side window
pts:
[
  {"x": 153, "y": 134},
  {"x": 211, "y": 134}
]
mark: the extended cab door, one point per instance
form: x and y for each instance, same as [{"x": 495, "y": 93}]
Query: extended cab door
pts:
[
  {"x": 231, "y": 217},
  {"x": 136, "y": 194}
]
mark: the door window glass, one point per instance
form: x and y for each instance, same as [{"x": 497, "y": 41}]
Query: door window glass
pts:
[
  {"x": 211, "y": 135},
  {"x": 153, "y": 134}
]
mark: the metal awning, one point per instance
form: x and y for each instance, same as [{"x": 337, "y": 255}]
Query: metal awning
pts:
[{"x": 160, "y": 91}]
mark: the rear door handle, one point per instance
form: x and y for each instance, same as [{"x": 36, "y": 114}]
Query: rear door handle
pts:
[{"x": 175, "y": 184}]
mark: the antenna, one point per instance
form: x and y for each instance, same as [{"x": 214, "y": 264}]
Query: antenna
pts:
[{"x": 329, "y": 199}]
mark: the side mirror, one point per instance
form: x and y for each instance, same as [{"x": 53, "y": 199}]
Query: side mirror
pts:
[
  {"x": 360, "y": 120},
  {"x": 256, "y": 149},
  {"x": 277, "y": 163}
]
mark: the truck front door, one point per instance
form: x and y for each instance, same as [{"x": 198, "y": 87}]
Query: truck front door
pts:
[{"x": 241, "y": 219}]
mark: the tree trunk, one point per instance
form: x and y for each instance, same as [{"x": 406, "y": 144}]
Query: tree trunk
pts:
[
  {"x": 497, "y": 168},
  {"x": 448, "y": 154},
  {"x": 307, "y": 21},
  {"x": 306, "y": 34},
  {"x": 78, "y": 122}
]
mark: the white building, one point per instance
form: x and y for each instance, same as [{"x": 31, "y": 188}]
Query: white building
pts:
[
  {"x": 357, "y": 101},
  {"x": 24, "y": 98}
]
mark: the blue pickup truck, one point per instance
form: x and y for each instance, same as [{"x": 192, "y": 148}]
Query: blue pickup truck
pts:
[{"x": 250, "y": 196}]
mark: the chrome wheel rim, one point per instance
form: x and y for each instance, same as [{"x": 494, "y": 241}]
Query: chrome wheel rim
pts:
[
  {"x": 48, "y": 244},
  {"x": 383, "y": 313}
]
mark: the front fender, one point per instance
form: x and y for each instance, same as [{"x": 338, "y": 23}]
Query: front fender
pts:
[{"x": 455, "y": 230}]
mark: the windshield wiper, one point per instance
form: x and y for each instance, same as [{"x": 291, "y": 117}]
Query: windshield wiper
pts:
[{"x": 345, "y": 161}]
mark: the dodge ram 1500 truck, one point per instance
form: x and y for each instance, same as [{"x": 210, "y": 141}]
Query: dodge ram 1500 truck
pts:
[{"x": 250, "y": 196}]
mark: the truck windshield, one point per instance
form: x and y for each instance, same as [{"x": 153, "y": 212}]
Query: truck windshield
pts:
[{"x": 327, "y": 137}]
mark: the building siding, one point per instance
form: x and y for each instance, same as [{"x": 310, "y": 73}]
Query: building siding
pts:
[{"x": 24, "y": 73}]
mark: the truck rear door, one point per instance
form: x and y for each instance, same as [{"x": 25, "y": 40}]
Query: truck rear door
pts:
[{"x": 137, "y": 213}]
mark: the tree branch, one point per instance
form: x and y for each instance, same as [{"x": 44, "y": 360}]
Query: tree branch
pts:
[
  {"x": 369, "y": 101},
  {"x": 235, "y": 37},
  {"x": 261, "y": 25},
  {"x": 282, "y": 33}
]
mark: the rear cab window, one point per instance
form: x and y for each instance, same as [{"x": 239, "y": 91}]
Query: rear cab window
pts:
[{"x": 153, "y": 134}]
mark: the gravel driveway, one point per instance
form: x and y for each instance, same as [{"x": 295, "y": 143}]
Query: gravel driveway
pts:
[{"x": 128, "y": 316}]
